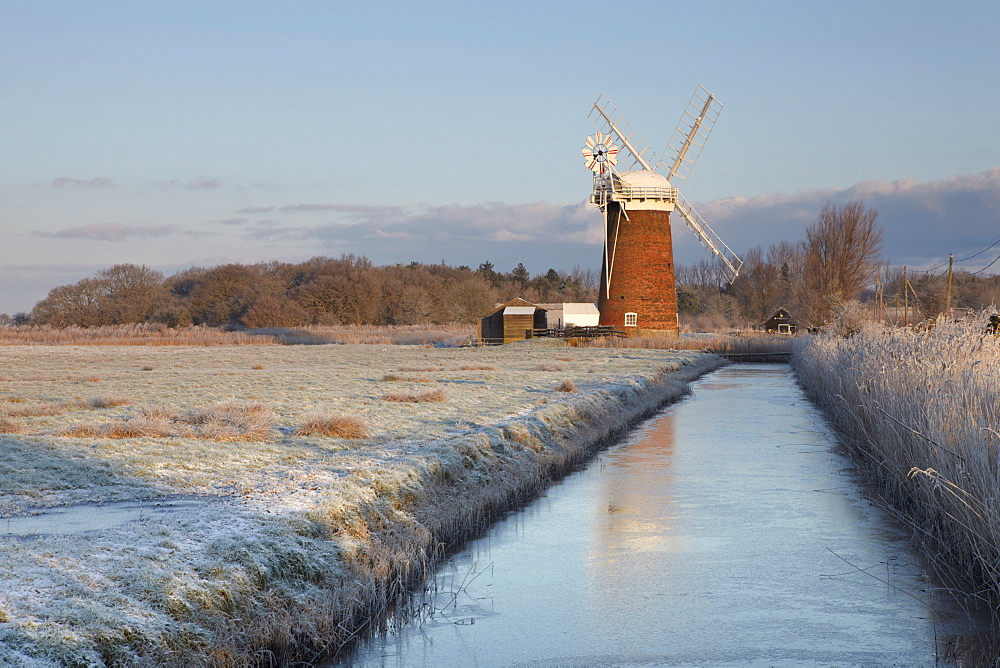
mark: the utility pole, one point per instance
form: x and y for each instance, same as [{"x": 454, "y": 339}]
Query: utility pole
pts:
[
  {"x": 879, "y": 308},
  {"x": 947, "y": 303},
  {"x": 906, "y": 300}
]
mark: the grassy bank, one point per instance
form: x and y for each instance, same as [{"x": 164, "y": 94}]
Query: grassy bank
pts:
[
  {"x": 919, "y": 412},
  {"x": 301, "y": 532}
]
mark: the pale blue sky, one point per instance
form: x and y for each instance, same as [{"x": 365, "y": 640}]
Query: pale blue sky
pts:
[{"x": 183, "y": 133}]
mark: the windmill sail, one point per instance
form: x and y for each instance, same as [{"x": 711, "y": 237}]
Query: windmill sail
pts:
[
  {"x": 608, "y": 120},
  {"x": 708, "y": 238},
  {"x": 692, "y": 132}
]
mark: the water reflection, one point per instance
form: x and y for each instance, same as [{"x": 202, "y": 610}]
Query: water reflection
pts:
[
  {"x": 632, "y": 520},
  {"x": 724, "y": 532}
]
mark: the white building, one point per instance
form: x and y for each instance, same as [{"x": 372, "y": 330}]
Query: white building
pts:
[{"x": 569, "y": 314}]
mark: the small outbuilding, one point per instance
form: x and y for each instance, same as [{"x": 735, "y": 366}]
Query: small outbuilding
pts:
[
  {"x": 571, "y": 314},
  {"x": 513, "y": 321},
  {"x": 780, "y": 323}
]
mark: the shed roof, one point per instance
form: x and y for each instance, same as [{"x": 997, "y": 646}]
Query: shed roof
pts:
[
  {"x": 517, "y": 302},
  {"x": 519, "y": 310},
  {"x": 783, "y": 315},
  {"x": 580, "y": 308}
]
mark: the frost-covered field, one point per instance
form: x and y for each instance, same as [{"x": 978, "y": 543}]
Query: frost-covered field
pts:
[{"x": 295, "y": 537}]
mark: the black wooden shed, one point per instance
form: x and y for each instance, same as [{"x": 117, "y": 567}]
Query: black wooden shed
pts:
[{"x": 781, "y": 323}]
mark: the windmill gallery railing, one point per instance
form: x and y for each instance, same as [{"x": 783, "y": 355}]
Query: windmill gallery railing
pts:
[
  {"x": 628, "y": 192},
  {"x": 664, "y": 193}
]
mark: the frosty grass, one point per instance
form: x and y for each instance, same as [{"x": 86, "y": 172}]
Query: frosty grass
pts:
[{"x": 64, "y": 596}]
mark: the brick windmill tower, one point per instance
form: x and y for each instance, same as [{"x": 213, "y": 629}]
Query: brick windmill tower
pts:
[{"x": 637, "y": 273}]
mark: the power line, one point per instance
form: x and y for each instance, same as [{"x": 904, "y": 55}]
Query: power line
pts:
[
  {"x": 980, "y": 252},
  {"x": 927, "y": 271},
  {"x": 986, "y": 267},
  {"x": 968, "y": 257}
]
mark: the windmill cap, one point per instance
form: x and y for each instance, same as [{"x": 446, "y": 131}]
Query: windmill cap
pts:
[{"x": 642, "y": 179}]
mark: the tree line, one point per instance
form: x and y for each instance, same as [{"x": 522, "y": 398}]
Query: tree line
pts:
[
  {"x": 839, "y": 258},
  {"x": 348, "y": 290},
  {"x": 838, "y": 262}
]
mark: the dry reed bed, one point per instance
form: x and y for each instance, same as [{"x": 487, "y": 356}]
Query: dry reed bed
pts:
[
  {"x": 410, "y": 335},
  {"x": 160, "y": 335},
  {"x": 127, "y": 335},
  {"x": 919, "y": 412},
  {"x": 723, "y": 344},
  {"x": 306, "y": 533}
]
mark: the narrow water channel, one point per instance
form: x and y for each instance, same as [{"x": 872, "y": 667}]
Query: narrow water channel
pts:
[{"x": 724, "y": 531}]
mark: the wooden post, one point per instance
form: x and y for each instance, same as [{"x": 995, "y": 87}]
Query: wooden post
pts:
[
  {"x": 906, "y": 300},
  {"x": 947, "y": 303}
]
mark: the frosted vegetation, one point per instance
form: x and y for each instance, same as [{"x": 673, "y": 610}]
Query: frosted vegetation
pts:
[
  {"x": 158, "y": 334},
  {"x": 920, "y": 411},
  {"x": 327, "y": 477}
]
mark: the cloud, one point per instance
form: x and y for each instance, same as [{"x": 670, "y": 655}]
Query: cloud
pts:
[
  {"x": 539, "y": 222},
  {"x": 923, "y": 222},
  {"x": 196, "y": 184},
  {"x": 111, "y": 232},
  {"x": 204, "y": 184},
  {"x": 344, "y": 208},
  {"x": 361, "y": 210},
  {"x": 540, "y": 234},
  {"x": 63, "y": 181}
]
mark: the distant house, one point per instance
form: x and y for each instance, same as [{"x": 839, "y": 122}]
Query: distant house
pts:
[
  {"x": 571, "y": 314},
  {"x": 780, "y": 323},
  {"x": 512, "y": 321}
]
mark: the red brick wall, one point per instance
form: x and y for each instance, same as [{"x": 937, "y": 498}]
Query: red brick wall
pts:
[{"x": 642, "y": 278}]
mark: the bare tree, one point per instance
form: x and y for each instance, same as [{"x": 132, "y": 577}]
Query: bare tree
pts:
[
  {"x": 788, "y": 257},
  {"x": 468, "y": 299},
  {"x": 588, "y": 279},
  {"x": 410, "y": 304},
  {"x": 133, "y": 293},
  {"x": 841, "y": 257},
  {"x": 76, "y": 305},
  {"x": 274, "y": 309},
  {"x": 224, "y": 294},
  {"x": 362, "y": 294},
  {"x": 758, "y": 287},
  {"x": 704, "y": 273}
]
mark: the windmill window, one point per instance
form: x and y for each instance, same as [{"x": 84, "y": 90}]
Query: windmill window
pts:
[{"x": 631, "y": 319}]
